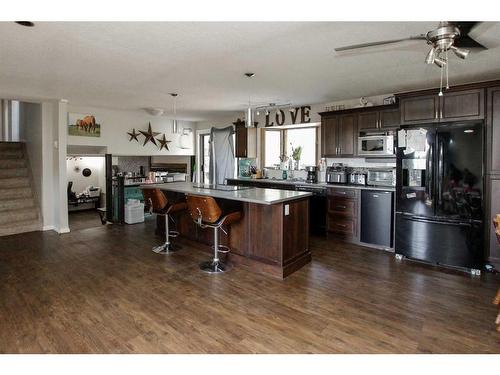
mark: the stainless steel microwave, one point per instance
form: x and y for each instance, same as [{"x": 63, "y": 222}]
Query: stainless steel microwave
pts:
[{"x": 376, "y": 145}]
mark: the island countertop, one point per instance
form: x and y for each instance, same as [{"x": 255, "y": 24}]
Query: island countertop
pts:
[{"x": 250, "y": 195}]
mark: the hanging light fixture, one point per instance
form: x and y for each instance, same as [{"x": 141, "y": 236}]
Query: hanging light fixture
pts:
[
  {"x": 460, "y": 52},
  {"x": 175, "y": 127},
  {"x": 249, "y": 116}
]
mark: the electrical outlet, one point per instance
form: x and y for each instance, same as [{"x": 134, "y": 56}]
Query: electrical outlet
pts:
[{"x": 287, "y": 209}]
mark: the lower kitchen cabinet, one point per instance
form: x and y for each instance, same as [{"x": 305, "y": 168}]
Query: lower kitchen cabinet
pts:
[{"x": 342, "y": 213}]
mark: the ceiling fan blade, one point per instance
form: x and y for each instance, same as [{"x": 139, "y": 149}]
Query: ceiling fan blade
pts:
[
  {"x": 467, "y": 42},
  {"x": 465, "y": 26},
  {"x": 373, "y": 44}
]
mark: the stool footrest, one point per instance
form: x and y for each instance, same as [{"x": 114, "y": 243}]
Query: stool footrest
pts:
[{"x": 223, "y": 249}]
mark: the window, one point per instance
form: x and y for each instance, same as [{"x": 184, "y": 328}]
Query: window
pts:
[
  {"x": 306, "y": 138},
  {"x": 272, "y": 147},
  {"x": 280, "y": 141}
]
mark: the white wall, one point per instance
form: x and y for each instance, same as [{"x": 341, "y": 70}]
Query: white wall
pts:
[
  {"x": 116, "y": 123},
  {"x": 31, "y": 132},
  {"x": 80, "y": 182}
]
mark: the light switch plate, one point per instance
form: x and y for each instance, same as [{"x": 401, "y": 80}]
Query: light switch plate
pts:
[{"x": 287, "y": 209}]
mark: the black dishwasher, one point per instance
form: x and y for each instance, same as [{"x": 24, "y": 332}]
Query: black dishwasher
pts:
[{"x": 377, "y": 217}]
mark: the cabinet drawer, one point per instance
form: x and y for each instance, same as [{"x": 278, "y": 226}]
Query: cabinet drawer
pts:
[
  {"x": 339, "y": 192},
  {"x": 342, "y": 206},
  {"x": 340, "y": 225}
]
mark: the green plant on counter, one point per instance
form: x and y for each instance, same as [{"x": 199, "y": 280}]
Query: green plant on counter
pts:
[{"x": 296, "y": 153}]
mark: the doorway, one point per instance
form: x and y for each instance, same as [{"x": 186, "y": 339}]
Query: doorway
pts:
[
  {"x": 86, "y": 189},
  {"x": 205, "y": 158}
]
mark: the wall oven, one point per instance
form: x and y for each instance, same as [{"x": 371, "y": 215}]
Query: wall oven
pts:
[{"x": 376, "y": 145}]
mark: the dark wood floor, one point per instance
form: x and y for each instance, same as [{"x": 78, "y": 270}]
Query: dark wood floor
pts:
[
  {"x": 102, "y": 290},
  {"x": 84, "y": 219}
]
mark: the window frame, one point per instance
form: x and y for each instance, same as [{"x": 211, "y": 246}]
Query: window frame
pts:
[{"x": 284, "y": 139}]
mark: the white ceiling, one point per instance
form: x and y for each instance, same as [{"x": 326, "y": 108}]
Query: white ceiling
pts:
[{"x": 135, "y": 65}]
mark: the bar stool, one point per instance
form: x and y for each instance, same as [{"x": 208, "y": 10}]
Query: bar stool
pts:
[
  {"x": 207, "y": 214},
  {"x": 160, "y": 205}
]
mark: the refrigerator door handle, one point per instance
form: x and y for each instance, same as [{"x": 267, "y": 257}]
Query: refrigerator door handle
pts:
[{"x": 430, "y": 221}]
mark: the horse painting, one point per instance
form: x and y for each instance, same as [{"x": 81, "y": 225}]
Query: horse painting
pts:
[{"x": 83, "y": 125}]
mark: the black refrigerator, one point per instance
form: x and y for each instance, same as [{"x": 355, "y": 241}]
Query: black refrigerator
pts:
[{"x": 439, "y": 196}]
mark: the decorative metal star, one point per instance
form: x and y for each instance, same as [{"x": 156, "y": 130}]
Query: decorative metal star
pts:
[
  {"x": 241, "y": 122},
  {"x": 163, "y": 143},
  {"x": 150, "y": 135},
  {"x": 133, "y": 135}
]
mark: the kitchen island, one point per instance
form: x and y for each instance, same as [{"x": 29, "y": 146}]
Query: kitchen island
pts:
[{"x": 272, "y": 236}]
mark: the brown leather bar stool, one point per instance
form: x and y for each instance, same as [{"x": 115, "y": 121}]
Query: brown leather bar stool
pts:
[
  {"x": 160, "y": 205},
  {"x": 207, "y": 214}
]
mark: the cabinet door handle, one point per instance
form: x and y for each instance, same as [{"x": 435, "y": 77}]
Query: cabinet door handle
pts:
[
  {"x": 342, "y": 192},
  {"x": 341, "y": 207},
  {"x": 342, "y": 225}
]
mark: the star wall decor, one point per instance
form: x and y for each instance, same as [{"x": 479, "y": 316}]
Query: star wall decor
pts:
[
  {"x": 163, "y": 143},
  {"x": 150, "y": 135},
  {"x": 133, "y": 135}
]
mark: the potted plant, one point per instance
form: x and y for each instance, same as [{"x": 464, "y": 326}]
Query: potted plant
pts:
[
  {"x": 296, "y": 153},
  {"x": 283, "y": 161}
]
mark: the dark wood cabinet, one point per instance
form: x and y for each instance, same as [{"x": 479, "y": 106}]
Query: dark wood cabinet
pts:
[
  {"x": 329, "y": 136},
  {"x": 347, "y": 133},
  {"x": 462, "y": 105},
  {"x": 389, "y": 118},
  {"x": 342, "y": 213},
  {"x": 245, "y": 142},
  {"x": 385, "y": 119},
  {"x": 368, "y": 121},
  {"x": 338, "y": 135},
  {"x": 241, "y": 141},
  {"x": 493, "y": 131},
  {"x": 420, "y": 109},
  {"x": 452, "y": 106}
]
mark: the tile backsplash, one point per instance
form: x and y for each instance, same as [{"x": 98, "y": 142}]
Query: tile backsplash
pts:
[{"x": 361, "y": 163}]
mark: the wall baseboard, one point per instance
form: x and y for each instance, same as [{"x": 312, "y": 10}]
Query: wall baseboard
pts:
[
  {"x": 63, "y": 230},
  {"x": 48, "y": 227}
]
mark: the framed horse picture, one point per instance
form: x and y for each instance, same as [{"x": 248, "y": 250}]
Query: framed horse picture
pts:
[{"x": 83, "y": 125}]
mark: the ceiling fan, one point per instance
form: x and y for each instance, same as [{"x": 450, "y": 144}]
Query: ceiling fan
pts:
[{"x": 448, "y": 35}]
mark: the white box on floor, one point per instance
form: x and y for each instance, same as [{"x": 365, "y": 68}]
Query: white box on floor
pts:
[{"x": 134, "y": 213}]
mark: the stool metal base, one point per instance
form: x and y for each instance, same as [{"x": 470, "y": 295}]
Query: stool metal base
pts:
[
  {"x": 215, "y": 266},
  {"x": 166, "y": 248}
]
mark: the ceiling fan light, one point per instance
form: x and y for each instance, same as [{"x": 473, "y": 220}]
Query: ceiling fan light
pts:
[
  {"x": 431, "y": 56},
  {"x": 439, "y": 62},
  {"x": 460, "y": 52}
]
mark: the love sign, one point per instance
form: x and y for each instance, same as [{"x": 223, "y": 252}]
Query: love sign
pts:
[{"x": 280, "y": 116}]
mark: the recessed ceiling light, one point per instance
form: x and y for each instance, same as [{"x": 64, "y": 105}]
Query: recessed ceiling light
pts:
[
  {"x": 25, "y": 23},
  {"x": 469, "y": 131}
]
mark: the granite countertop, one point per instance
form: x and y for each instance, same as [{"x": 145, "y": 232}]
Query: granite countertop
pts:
[
  {"x": 251, "y": 195},
  {"x": 318, "y": 184}
]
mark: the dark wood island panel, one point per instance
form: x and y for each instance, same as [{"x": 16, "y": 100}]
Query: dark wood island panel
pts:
[{"x": 265, "y": 239}]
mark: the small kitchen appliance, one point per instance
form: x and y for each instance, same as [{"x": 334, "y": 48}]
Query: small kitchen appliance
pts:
[
  {"x": 336, "y": 174},
  {"x": 312, "y": 174}
]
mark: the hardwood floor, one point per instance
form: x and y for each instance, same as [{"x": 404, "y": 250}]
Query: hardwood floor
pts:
[
  {"x": 102, "y": 290},
  {"x": 83, "y": 219}
]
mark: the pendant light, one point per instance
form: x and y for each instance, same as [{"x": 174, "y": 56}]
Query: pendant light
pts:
[
  {"x": 249, "y": 116},
  {"x": 175, "y": 127}
]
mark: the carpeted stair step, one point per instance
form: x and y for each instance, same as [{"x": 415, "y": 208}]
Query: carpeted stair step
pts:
[
  {"x": 6, "y": 194},
  {"x": 16, "y": 204},
  {"x": 15, "y": 216},
  {"x": 19, "y": 227},
  {"x": 13, "y": 172},
  {"x": 11, "y": 154},
  {"x": 12, "y": 163},
  {"x": 10, "y": 146},
  {"x": 14, "y": 182}
]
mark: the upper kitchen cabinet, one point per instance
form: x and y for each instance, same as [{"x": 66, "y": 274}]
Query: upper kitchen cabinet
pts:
[
  {"x": 329, "y": 127},
  {"x": 452, "y": 106},
  {"x": 420, "y": 109},
  {"x": 462, "y": 105},
  {"x": 245, "y": 142},
  {"x": 493, "y": 131},
  {"x": 338, "y": 134},
  {"x": 379, "y": 120}
]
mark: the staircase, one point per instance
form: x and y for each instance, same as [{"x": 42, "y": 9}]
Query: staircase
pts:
[{"x": 19, "y": 211}]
